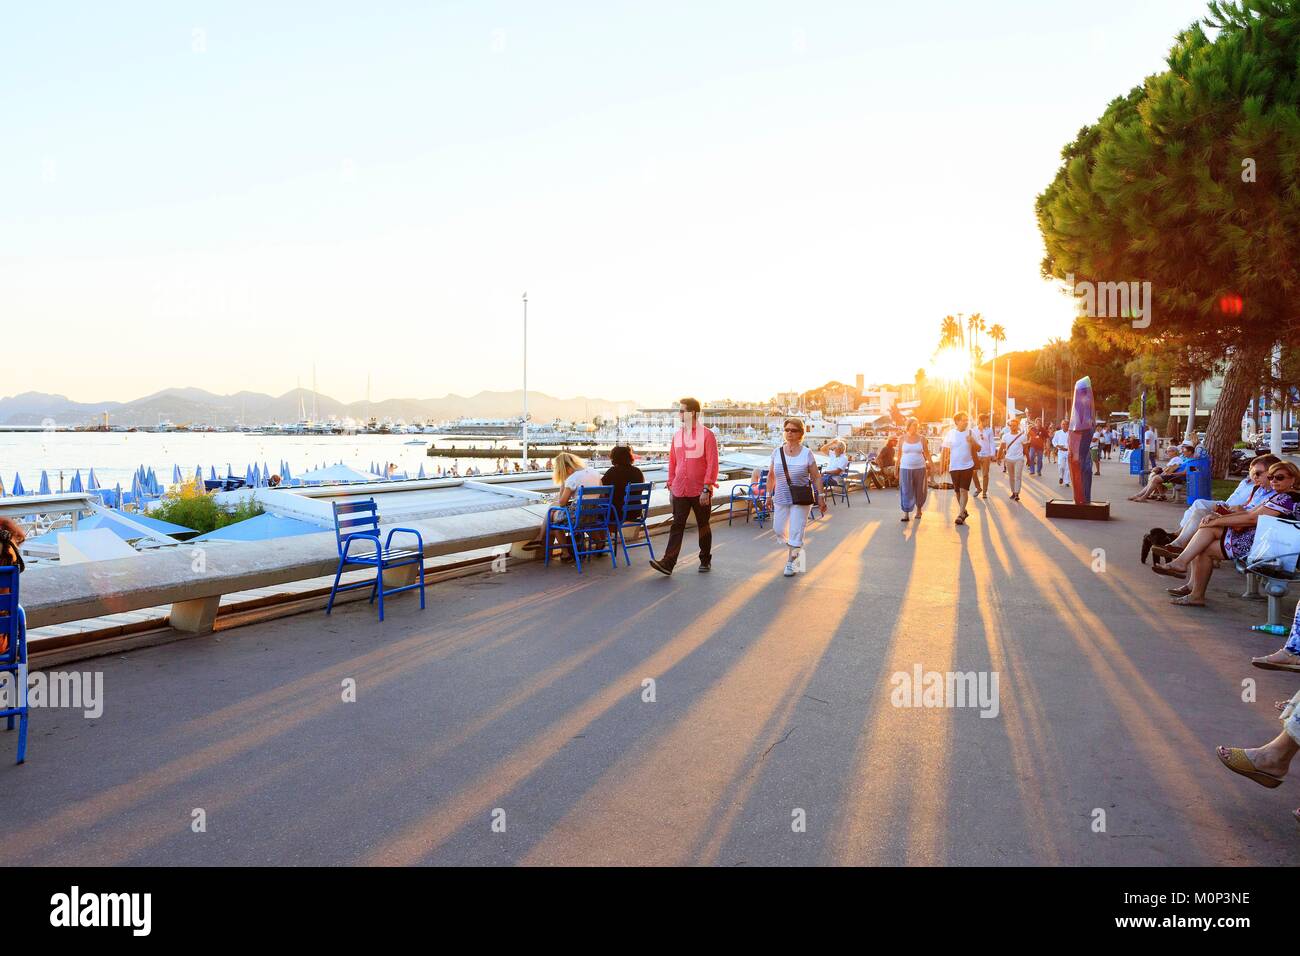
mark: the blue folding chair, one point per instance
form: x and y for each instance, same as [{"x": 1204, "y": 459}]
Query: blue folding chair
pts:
[
  {"x": 833, "y": 485},
  {"x": 13, "y": 628},
  {"x": 357, "y": 522},
  {"x": 754, "y": 498},
  {"x": 590, "y": 515},
  {"x": 636, "y": 501}
]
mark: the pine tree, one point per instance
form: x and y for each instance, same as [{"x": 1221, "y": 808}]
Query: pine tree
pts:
[{"x": 1190, "y": 183}]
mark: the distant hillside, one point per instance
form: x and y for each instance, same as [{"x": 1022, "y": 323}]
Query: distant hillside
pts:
[{"x": 193, "y": 406}]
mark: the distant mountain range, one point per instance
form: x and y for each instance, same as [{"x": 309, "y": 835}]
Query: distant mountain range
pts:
[{"x": 194, "y": 406}]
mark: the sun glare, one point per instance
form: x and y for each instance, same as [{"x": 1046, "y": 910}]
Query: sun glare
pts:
[{"x": 950, "y": 365}]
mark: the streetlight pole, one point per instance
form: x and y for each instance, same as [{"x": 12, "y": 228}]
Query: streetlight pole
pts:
[{"x": 525, "y": 461}]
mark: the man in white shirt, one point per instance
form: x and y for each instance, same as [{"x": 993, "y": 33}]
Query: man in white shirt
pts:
[
  {"x": 1061, "y": 442},
  {"x": 1151, "y": 444},
  {"x": 985, "y": 438},
  {"x": 1013, "y": 455},
  {"x": 958, "y": 459},
  {"x": 837, "y": 464}
]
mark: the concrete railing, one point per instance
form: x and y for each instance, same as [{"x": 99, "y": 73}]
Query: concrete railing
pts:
[{"x": 193, "y": 577}]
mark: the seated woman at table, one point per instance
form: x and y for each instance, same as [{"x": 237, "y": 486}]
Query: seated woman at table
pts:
[
  {"x": 571, "y": 473},
  {"x": 1229, "y": 537}
]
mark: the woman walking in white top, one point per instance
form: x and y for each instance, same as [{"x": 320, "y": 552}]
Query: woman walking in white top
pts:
[
  {"x": 913, "y": 470},
  {"x": 795, "y": 483}
]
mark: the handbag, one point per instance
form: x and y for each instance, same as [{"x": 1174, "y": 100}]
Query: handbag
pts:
[
  {"x": 1276, "y": 546},
  {"x": 799, "y": 494}
]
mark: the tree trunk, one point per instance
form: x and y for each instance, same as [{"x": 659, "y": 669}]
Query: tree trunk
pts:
[{"x": 1224, "y": 429}]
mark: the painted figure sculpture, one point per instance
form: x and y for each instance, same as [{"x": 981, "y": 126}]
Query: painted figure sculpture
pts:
[{"x": 1082, "y": 422}]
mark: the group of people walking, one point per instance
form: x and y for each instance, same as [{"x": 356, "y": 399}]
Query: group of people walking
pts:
[{"x": 966, "y": 454}]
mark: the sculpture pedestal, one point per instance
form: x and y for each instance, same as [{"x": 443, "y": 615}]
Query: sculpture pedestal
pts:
[{"x": 1091, "y": 511}]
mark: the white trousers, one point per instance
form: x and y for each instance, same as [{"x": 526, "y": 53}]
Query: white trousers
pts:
[
  {"x": 1015, "y": 468},
  {"x": 788, "y": 522},
  {"x": 1192, "y": 519},
  {"x": 1063, "y": 465}
]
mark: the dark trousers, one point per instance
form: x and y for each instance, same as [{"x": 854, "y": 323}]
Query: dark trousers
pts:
[{"x": 681, "y": 508}]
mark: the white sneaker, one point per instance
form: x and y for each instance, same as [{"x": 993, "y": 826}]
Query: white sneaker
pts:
[{"x": 789, "y": 569}]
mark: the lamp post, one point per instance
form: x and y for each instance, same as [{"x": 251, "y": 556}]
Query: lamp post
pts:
[{"x": 524, "y": 465}]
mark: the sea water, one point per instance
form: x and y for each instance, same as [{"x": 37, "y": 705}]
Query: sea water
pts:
[{"x": 116, "y": 455}]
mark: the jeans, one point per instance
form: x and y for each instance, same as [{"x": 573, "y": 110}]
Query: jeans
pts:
[
  {"x": 912, "y": 489},
  {"x": 1015, "y": 466},
  {"x": 1035, "y": 461},
  {"x": 681, "y": 508}
]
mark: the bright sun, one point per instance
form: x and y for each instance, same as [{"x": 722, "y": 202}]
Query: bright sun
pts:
[{"x": 950, "y": 365}]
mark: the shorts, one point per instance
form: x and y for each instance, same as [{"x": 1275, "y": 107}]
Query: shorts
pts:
[{"x": 961, "y": 478}]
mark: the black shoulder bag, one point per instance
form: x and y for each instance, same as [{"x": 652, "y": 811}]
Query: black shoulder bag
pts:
[{"x": 799, "y": 494}]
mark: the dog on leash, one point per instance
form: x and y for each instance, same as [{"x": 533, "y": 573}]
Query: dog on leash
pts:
[{"x": 1156, "y": 538}]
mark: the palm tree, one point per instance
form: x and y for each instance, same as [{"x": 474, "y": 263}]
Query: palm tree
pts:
[
  {"x": 998, "y": 335},
  {"x": 976, "y": 324}
]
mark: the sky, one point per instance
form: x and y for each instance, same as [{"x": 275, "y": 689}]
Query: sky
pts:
[{"x": 724, "y": 199}]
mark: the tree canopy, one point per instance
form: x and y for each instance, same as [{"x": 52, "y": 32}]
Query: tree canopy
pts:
[{"x": 1189, "y": 182}]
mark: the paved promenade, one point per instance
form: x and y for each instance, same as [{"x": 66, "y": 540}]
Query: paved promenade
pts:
[{"x": 518, "y": 698}]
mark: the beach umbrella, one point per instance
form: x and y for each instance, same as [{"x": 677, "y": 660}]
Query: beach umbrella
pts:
[
  {"x": 176, "y": 475},
  {"x": 266, "y": 473},
  {"x": 93, "y": 483},
  {"x": 117, "y": 496},
  {"x": 248, "y": 477},
  {"x": 45, "y": 483},
  {"x": 17, "y": 486},
  {"x": 198, "y": 477},
  {"x": 212, "y": 472},
  {"x": 421, "y": 474},
  {"x": 284, "y": 472},
  {"x": 2, "y": 487},
  {"x": 75, "y": 484},
  {"x": 137, "y": 492}
]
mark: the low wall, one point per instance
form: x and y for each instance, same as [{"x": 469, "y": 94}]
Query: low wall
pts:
[{"x": 192, "y": 578}]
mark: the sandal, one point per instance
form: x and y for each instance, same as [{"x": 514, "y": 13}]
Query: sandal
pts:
[
  {"x": 1186, "y": 601},
  {"x": 1238, "y": 762},
  {"x": 1180, "y": 592},
  {"x": 1263, "y": 663},
  {"x": 1166, "y": 552},
  {"x": 1168, "y": 571}
]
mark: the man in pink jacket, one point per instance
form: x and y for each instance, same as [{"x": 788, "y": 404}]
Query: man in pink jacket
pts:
[{"x": 692, "y": 476}]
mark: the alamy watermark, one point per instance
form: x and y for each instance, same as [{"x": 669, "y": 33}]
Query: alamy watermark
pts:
[
  {"x": 76, "y": 690},
  {"x": 1114, "y": 300},
  {"x": 922, "y": 688}
]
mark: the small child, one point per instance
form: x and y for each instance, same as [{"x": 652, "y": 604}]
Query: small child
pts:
[{"x": 1095, "y": 452}]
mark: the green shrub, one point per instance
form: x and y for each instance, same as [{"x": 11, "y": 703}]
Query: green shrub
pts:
[{"x": 186, "y": 505}]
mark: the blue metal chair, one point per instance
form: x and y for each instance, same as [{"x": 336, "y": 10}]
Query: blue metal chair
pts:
[
  {"x": 636, "y": 498},
  {"x": 590, "y": 514},
  {"x": 754, "y": 498},
  {"x": 833, "y": 485},
  {"x": 357, "y": 522},
  {"x": 13, "y": 628}
]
